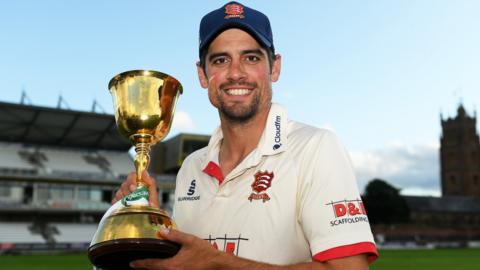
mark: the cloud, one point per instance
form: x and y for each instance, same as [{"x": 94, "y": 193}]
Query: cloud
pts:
[
  {"x": 182, "y": 122},
  {"x": 413, "y": 169}
]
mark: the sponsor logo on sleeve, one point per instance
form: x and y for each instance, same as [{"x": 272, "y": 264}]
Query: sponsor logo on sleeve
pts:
[
  {"x": 347, "y": 212},
  {"x": 190, "y": 192}
]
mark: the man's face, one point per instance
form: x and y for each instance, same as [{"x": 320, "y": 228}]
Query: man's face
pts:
[{"x": 237, "y": 75}]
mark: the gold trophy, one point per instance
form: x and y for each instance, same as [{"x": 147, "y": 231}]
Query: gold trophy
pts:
[{"x": 144, "y": 103}]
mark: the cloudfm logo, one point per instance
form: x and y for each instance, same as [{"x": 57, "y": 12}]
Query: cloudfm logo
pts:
[{"x": 278, "y": 134}]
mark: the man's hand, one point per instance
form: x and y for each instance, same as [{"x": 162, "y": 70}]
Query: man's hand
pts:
[
  {"x": 195, "y": 253},
  {"x": 130, "y": 185},
  {"x": 198, "y": 254}
]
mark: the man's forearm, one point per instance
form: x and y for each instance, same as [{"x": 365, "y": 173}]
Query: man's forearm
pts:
[
  {"x": 225, "y": 261},
  {"x": 198, "y": 254}
]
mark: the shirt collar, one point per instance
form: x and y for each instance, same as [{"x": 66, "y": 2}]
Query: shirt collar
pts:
[
  {"x": 272, "y": 142},
  {"x": 274, "y": 138}
]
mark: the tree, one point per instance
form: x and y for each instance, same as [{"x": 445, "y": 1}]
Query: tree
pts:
[{"x": 384, "y": 204}]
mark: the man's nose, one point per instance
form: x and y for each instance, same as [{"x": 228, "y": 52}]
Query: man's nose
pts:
[{"x": 236, "y": 71}]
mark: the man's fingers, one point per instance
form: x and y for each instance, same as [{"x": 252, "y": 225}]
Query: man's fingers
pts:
[
  {"x": 147, "y": 264},
  {"x": 118, "y": 196},
  {"x": 127, "y": 187},
  {"x": 130, "y": 185},
  {"x": 147, "y": 179},
  {"x": 176, "y": 236},
  {"x": 152, "y": 188},
  {"x": 121, "y": 192}
]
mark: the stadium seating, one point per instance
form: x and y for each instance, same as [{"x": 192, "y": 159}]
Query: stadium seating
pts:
[
  {"x": 74, "y": 233},
  {"x": 120, "y": 162},
  {"x": 63, "y": 160},
  {"x": 18, "y": 232},
  {"x": 10, "y": 158},
  {"x": 57, "y": 167}
]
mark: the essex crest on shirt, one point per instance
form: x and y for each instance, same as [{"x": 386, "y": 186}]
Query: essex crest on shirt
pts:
[{"x": 263, "y": 181}]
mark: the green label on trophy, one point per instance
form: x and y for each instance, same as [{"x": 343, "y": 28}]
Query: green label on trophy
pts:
[{"x": 138, "y": 197}]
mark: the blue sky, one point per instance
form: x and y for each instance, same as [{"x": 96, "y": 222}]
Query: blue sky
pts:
[{"x": 378, "y": 73}]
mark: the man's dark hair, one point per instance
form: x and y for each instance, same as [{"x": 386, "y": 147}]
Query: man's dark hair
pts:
[{"x": 203, "y": 55}]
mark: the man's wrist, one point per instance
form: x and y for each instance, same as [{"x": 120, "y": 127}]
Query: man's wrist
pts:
[{"x": 226, "y": 261}]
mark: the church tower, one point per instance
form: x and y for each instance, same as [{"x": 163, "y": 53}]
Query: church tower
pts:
[{"x": 460, "y": 155}]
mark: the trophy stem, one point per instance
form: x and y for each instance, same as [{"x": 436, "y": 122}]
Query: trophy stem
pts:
[{"x": 142, "y": 160}]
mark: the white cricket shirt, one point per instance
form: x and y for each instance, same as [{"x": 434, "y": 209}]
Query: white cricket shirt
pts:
[{"x": 293, "y": 199}]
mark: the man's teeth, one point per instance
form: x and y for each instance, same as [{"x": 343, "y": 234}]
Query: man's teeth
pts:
[{"x": 237, "y": 92}]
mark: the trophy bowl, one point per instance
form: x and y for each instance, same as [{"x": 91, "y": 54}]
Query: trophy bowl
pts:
[{"x": 144, "y": 102}]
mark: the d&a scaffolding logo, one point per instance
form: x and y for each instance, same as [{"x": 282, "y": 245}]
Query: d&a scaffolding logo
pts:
[{"x": 348, "y": 211}]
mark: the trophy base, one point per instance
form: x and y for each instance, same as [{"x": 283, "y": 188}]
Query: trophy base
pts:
[{"x": 117, "y": 254}]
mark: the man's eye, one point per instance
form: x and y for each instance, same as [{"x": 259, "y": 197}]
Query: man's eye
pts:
[
  {"x": 220, "y": 60},
  {"x": 252, "y": 58}
]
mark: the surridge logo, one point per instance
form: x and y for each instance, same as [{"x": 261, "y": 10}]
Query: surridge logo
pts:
[
  {"x": 190, "y": 192},
  {"x": 278, "y": 134}
]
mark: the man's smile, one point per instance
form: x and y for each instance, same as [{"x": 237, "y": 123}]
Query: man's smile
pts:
[{"x": 238, "y": 91}]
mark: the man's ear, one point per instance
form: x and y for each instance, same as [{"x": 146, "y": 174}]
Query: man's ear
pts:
[
  {"x": 202, "y": 77},
  {"x": 277, "y": 66}
]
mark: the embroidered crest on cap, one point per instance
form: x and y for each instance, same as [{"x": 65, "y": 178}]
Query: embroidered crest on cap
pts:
[
  {"x": 263, "y": 180},
  {"x": 234, "y": 11}
]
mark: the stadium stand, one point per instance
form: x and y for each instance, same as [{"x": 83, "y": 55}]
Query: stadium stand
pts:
[
  {"x": 74, "y": 233},
  {"x": 18, "y": 232},
  {"x": 120, "y": 163},
  {"x": 60, "y": 160},
  {"x": 59, "y": 170},
  {"x": 11, "y": 161}
]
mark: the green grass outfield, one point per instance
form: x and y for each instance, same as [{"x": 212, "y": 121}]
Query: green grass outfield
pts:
[
  {"x": 45, "y": 262},
  {"x": 439, "y": 259},
  {"x": 435, "y": 259}
]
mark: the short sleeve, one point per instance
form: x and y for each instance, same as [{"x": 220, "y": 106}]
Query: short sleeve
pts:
[{"x": 331, "y": 212}]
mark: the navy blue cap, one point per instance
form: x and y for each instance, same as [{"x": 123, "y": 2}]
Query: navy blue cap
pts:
[{"x": 236, "y": 15}]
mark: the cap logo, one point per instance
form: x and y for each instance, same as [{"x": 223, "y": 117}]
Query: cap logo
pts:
[{"x": 234, "y": 11}]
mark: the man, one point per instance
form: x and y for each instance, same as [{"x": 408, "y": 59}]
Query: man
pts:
[{"x": 275, "y": 193}]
